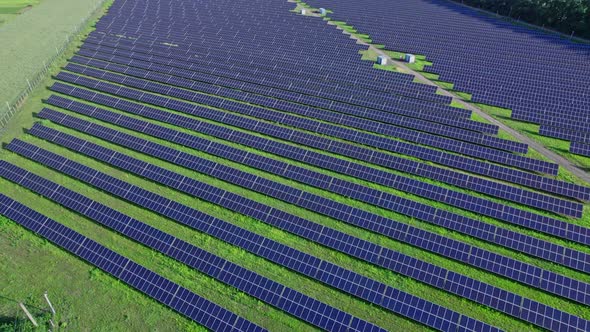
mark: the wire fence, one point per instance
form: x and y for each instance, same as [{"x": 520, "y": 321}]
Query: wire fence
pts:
[{"x": 9, "y": 108}]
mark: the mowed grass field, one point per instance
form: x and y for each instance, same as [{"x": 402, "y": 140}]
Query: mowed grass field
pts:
[
  {"x": 89, "y": 300},
  {"x": 33, "y": 38}
]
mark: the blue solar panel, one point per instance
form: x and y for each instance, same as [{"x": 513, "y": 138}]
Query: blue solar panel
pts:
[
  {"x": 386, "y": 160},
  {"x": 452, "y": 282},
  {"x": 580, "y": 148},
  {"x": 438, "y": 156},
  {"x": 401, "y": 232},
  {"x": 478, "y": 184},
  {"x": 535, "y": 90},
  {"x": 153, "y": 285},
  {"x": 465, "y": 135},
  {"x": 266, "y": 290},
  {"x": 372, "y": 196},
  {"x": 331, "y": 274}
]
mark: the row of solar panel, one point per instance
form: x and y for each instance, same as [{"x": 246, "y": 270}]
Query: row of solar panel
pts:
[
  {"x": 429, "y": 241},
  {"x": 287, "y": 299},
  {"x": 383, "y": 159},
  {"x": 529, "y": 74},
  {"x": 345, "y": 280},
  {"x": 453, "y": 221},
  {"x": 456, "y": 161},
  {"x": 398, "y": 182},
  {"x": 286, "y": 57},
  {"x": 525, "y": 102},
  {"x": 410, "y": 101},
  {"x": 566, "y": 134},
  {"x": 256, "y": 75},
  {"x": 440, "y": 217},
  {"x": 444, "y": 53},
  {"x": 401, "y": 85},
  {"x": 296, "y": 102},
  {"x": 153, "y": 285},
  {"x": 349, "y": 75},
  {"x": 458, "y": 69},
  {"x": 258, "y": 78},
  {"x": 407, "y": 89},
  {"x": 509, "y": 87},
  {"x": 466, "y": 148},
  {"x": 509, "y": 303},
  {"x": 580, "y": 148},
  {"x": 530, "y": 198}
]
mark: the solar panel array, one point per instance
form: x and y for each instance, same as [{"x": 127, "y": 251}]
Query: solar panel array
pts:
[
  {"x": 482, "y": 185},
  {"x": 464, "y": 44},
  {"x": 148, "y": 282},
  {"x": 376, "y": 197},
  {"x": 210, "y": 86},
  {"x": 480, "y": 292},
  {"x": 167, "y": 89},
  {"x": 280, "y": 296},
  {"x": 345, "y": 280},
  {"x": 484, "y": 259},
  {"x": 359, "y": 218},
  {"x": 321, "y": 143}
]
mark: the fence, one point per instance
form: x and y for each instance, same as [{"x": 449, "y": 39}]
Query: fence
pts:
[{"x": 9, "y": 108}]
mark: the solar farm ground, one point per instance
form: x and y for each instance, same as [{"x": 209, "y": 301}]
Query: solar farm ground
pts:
[{"x": 88, "y": 299}]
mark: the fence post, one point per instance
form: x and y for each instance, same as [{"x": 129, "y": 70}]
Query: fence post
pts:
[{"x": 28, "y": 314}]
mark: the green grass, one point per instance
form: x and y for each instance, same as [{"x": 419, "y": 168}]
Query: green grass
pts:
[
  {"x": 10, "y": 9},
  {"x": 370, "y": 55},
  {"x": 53, "y": 20}
]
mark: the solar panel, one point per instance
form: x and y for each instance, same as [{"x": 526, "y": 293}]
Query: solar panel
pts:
[
  {"x": 580, "y": 148},
  {"x": 484, "y": 259},
  {"x": 532, "y": 199},
  {"x": 401, "y": 232},
  {"x": 148, "y": 282},
  {"x": 464, "y": 45},
  {"x": 347, "y": 281},
  {"x": 378, "y": 158},
  {"x": 389, "y": 201},
  {"x": 371, "y": 140},
  {"x": 291, "y": 301},
  {"x": 465, "y": 135},
  {"x": 458, "y": 284}
]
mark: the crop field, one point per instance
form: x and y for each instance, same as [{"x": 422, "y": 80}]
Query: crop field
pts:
[{"x": 213, "y": 165}]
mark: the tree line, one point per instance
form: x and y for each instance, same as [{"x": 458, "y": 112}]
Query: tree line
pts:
[{"x": 565, "y": 16}]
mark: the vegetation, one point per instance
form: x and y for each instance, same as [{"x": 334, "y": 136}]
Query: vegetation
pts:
[
  {"x": 565, "y": 16},
  {"x": 30, "y": 54}
]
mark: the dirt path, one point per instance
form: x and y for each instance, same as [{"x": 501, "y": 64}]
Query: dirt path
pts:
[{"x": 552, "y": 156}]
